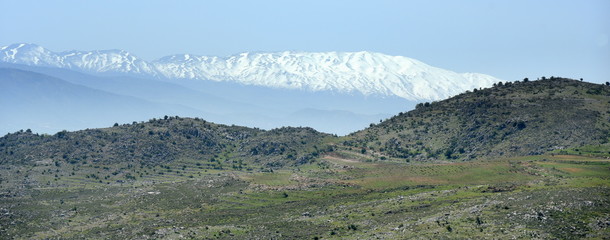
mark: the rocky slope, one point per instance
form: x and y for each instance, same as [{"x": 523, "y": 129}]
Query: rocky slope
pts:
[{"x": 510, "y": 119}]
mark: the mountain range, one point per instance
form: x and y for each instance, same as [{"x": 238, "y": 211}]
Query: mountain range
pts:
[
  {"x": 367, "y": 73},
  {"x": 335, "y": 92}
]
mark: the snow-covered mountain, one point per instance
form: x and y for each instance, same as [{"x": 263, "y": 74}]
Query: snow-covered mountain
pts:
[
  {"x": 366, "y": 73},
  {"x": 105, "y": 61}
]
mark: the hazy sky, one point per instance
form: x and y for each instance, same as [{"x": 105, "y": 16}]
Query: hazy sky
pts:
[{"x": 509, "y": 39}]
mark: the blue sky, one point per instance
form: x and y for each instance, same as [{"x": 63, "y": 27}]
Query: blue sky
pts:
[{"x": 509, "y": 39}]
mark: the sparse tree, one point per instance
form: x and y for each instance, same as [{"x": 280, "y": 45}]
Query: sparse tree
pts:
[
  {"x": 352, "y": 227},
  {"x": 449, "y": 153},
  {"x": 61, "y": 134},
  {"x": 607, "y": 83},
  {"x": 526, "y": 80}
]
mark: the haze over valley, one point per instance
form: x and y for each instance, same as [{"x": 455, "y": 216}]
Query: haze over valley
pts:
[{"x": 333, "y": 92}]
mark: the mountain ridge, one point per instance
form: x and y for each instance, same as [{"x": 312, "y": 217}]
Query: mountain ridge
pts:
[
  {"x": 364, "y": 72},
  {"x": 48, "y": 104}
]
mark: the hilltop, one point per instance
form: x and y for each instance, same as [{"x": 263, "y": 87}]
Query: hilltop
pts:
[
  {"x": 509, "y": 119},
  {"x": 163, "y": 141}
]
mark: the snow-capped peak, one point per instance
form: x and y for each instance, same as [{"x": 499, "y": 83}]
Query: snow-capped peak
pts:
[
  {"x": 30, "y": 54},
  {"x": 107, "y": 61},
  {"x": 368, "y": 73},
  {"x": 363, "y": 72},
  {"x": 104, "y": 61}
]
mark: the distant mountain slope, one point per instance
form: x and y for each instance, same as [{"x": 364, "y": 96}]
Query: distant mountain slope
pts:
[
  {"x": 148, "y": 89},
  {"x": 47, "y": 104},
  {"x": 343, "y": 72},
  {"x": 512, "y": 119},
  {"x": 225, "y": 103}
]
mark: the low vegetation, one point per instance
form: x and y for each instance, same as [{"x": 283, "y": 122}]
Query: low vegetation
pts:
[
  {"x": 510, "y": 119},
  {"x": 445, "y": 170}
]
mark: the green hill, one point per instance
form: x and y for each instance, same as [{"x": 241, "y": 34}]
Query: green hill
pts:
[
  {"x": 162, "y": 141},
  {"x": 511, "y": 119},
  {"x": 145, "y": 150}
]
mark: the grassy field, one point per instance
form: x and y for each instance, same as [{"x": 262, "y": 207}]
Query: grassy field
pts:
[{"x": 338, "y": 196}]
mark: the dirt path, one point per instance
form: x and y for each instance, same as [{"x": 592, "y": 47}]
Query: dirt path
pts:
[{"x": 328, "y": 157}]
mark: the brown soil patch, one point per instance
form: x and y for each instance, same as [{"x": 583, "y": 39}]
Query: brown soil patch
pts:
[
  {"x": 327, "y": 157},
  {"x": 572, "y": 170}
]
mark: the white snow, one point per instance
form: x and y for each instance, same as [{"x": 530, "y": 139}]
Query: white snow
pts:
[{"x": 363, "y": 72}]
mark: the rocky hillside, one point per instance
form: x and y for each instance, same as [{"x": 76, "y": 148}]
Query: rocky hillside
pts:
[
  {"x": 163, "y": 141},
  {"x": 510, "y": 119}
]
